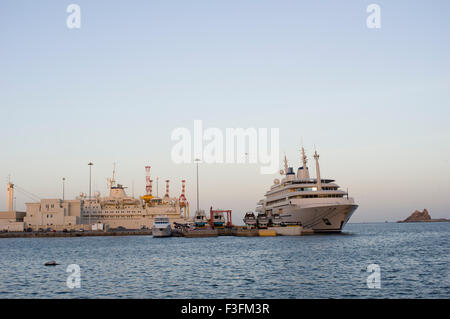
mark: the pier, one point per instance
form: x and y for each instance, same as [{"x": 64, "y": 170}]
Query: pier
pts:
[
  {"x": 75, "y": 234},
  {"x": 238, "y": 231}
]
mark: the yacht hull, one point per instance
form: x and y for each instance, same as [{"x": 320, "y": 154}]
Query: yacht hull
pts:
[
  {"x": 326, "y": 218},
  {"x": 162, "y": 232}
]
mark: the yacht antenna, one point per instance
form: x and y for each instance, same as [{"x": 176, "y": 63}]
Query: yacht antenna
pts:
[{"x": 113, "y": 181}]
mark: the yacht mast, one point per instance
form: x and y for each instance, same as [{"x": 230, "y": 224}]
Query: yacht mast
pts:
[
  {"x": 304, "y": 158},
  {"x": 319, "y": 181},
  {"x": 285, "y": 165},
  {"x": 303, "y": 172}
]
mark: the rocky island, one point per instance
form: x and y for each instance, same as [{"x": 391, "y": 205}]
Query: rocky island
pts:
[{"x": 424, "y": 216}]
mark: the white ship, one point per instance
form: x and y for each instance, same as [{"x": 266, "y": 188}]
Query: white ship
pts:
[
  {"x": 161, "y": 227},
  {"x": 316, "y": 204},
  {"x": 118, "y": 210}
]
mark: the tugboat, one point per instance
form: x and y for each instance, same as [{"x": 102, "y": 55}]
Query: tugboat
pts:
[
  {"x": 218, "y": 220},
  {"x": 262, "y": 221},
  {"x": 200, "y": 219},
  {"x": 161, "y": 227},
  {"x": 250, "y": 220},
  {"x": 276, "y": 220}
]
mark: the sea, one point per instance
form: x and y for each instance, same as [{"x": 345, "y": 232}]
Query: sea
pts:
[{"x": 372, "y": 260}]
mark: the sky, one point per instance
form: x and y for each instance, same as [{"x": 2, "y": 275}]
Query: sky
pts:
[{"x": 375, "y": 103}]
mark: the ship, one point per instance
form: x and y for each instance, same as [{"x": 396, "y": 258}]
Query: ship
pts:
[
  {"x": 161, "y": 227},
  {"x": 218, "y": 220},
  {"x": 119, "y": 210},
  {"x": 200, "y": 220},
  {"x": 314, "y": 203},
  {"x": 250, "y": 220},
  {"x": 275, "y": 220},
  {"x": 262, "y": 220}
]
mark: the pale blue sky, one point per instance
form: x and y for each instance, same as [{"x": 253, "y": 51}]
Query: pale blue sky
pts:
[{"x": 374, "y": 102}]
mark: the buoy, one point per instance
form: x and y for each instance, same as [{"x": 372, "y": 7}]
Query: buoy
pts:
[{"x": 51, "y": 263}]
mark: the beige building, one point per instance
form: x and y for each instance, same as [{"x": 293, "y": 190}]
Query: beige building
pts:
[
  {"x": 53, "y": 213},
  {"x": 12, "y": 221}
]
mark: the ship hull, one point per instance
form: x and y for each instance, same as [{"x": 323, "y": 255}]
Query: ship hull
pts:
[
  {"x": 162, "y": 232},
  {"x": 219, "y": 224},
  {"x": 200, "y": 224},
  {"x": 321, "y": 219}
]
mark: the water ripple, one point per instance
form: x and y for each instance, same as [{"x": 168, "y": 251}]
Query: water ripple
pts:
[{"x": 414, "y": 261}]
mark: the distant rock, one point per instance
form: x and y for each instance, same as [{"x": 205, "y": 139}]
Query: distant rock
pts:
[
  {"x": 424, "y": 216},
  {"x": 418, "y": 216}
]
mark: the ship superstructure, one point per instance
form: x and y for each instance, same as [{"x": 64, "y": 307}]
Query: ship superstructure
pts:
[{"x": 316, "y": 204}]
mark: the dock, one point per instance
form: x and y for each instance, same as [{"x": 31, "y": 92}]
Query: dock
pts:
[
  {"x": 238, "y": 231},
  {"x": 244, "y": 232},
  {"x": 75, "y": 234},
  {"x": 200, "y": 233}
]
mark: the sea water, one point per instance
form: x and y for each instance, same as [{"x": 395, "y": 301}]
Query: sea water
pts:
[{"x": 412, "y": 261}]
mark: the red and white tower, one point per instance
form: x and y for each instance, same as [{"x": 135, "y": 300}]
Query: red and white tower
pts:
[
  {"x": 151, "y": 187},
  {"x": 182, "y": 198},
  {"x": 148, "y": 181},
  {"x": 167, "y": 196}
]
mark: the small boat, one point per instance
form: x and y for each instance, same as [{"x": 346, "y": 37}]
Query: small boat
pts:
[
  {"x": 218, "y": 219},
  {"x": 262, "y": 221},
  {"x": 200, "y": 219},
  {"x": 276, "y": 220},
  {"x": 161, "y": 227},
  {"x": 250, "y": 219}
]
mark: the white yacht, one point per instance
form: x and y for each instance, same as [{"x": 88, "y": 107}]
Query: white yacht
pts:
[
  {"x": 161, "y": 227},
  {"x": 316, "y": 204}
]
